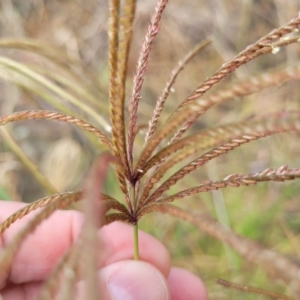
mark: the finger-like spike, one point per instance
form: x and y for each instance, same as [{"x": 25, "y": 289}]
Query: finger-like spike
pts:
[
  {"x": 7, "y": 255},
  {"x": 250, "y": 289},
  {"x": 51, "y": 115},
  {"x": 263, "y": 126},
  {"x": 261, "y": 47},
  {"x": 165, "y": 93},
  {"x": 141, "y": 72},
  {"x": 35, "y": 205},
  {"x": 235, "y": 181},
  {"x": 118, "y": 81},
  {"x": 190, "y": 167}
]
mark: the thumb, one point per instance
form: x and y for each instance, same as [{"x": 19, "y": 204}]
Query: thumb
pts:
[{"x": 131, "y": 280}]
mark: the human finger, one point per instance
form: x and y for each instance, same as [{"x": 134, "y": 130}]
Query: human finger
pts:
[
  {"x": 185, "y": 285},
  {"x": 40, "y": 252}
]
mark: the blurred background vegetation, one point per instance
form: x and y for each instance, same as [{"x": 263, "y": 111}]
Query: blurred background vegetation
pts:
[{"x": 268, "y": 213}]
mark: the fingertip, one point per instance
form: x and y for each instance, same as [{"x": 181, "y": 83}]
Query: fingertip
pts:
[
  {"x": 130, "y": 280},
  {"x": 185, "y": 285}
]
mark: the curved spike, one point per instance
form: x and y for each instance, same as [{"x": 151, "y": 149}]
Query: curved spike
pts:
[
  {"x": 114, "y": 204},
  {"x": 118, "y": 217},
  {"x": 245, "y": 56},
  {"x": 267, "y": 125},
  {"x": 141, "y": 69},
  {"x": 7, "y": 255},
  {"x": 239, "y": 89},
  {"x": 76, "y": 196},
  {"x": 51, "y": 115},
  {"x": 35, "y": 205},
  {"x": 190, "y": 167},
  {"x": 120, "y": 39},
  {"x": 236, "y": 180},
  {"x": 189, "y": 106},
  {"x": 251, "y": 289},
  {"x": 113, "y": 41},
  {"x": 165, "y": 93}
]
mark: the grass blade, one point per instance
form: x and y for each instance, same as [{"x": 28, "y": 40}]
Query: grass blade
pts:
[
  {"x": 42, "y": 80},
  {"x": 30, "y": 165}
]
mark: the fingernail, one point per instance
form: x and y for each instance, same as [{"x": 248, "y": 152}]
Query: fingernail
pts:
[{"x": 137, "y": 280}]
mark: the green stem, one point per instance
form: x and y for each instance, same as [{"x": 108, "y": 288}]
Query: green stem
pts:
[
  {"x": 135, "y": 227},
  {"x": 136, "y": 241}
]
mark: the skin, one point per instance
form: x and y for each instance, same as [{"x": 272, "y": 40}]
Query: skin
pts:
[{"x": 120, "y": 277}]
